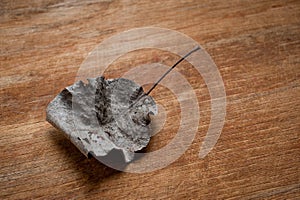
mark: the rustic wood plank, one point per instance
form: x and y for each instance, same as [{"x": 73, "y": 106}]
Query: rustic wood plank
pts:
[{"x": 256, "y": 46}]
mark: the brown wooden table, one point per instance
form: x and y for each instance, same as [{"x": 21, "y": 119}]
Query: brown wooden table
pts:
[{"x": 256, "y": 46}]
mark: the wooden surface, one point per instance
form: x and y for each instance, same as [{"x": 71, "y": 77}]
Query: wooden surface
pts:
[{"x": 256, "y": 46}]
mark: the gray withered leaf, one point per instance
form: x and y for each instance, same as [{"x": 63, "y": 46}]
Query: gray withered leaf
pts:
[{"x": 104, "y": 115}]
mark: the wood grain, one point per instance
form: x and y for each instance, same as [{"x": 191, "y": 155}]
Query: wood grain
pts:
[{"x": 256, "y": 46}]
